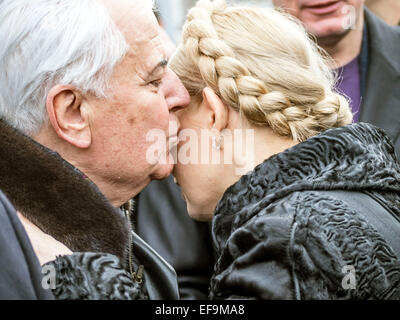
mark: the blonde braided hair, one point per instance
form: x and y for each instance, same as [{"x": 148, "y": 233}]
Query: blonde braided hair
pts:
[{"x": 262, "y": 63}]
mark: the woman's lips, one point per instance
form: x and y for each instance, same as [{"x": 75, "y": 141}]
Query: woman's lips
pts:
[{"x": 322, "y": 7}]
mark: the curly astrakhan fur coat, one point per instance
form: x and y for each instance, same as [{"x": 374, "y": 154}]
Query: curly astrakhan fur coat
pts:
[{"x": 279, "y": 235}]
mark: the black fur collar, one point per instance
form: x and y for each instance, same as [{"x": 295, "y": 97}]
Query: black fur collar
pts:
[
  {"x": 355, "y": 157},
  {"x": 57, "y": 197}
]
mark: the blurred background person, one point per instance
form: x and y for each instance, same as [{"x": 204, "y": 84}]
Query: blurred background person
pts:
[
  {"x": 365, "y": 52},
  {"x": 173, "y": 12}
]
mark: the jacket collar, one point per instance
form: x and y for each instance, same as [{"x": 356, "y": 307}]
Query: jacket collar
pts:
[
  {"x": 381, "y": 99},
  {"x": 355, "y": 157},
  {"x": 58, "y": 198}
]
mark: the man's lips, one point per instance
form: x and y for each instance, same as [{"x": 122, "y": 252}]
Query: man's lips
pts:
[{"x": 322, "y": 7}]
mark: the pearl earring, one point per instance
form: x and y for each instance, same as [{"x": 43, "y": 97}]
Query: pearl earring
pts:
[{"x": 216, "y": 142}]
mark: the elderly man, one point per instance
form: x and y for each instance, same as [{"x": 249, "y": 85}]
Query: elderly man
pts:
[
  {"x": 82, "y": 83},
  {"x": 365, "y": 51}
]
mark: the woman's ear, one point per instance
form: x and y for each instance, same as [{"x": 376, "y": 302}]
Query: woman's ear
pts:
[
  {"x": 68, "y": 116},
  {"x": 219, "y": 114}
]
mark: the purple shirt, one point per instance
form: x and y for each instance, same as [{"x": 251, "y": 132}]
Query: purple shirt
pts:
[{"x": 349, "y": 85}]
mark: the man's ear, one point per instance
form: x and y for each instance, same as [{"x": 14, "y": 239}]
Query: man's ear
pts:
[
  {"x": 220, "y": 113},
  {"x": 68, "y": 115}
]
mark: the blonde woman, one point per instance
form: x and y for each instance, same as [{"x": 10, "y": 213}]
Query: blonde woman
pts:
[{"x": 317, "y": 214}]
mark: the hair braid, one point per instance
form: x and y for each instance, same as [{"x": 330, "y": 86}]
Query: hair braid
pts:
[
  {"x": 299, "y": 116},
  {"x": 229, "y": 77}
]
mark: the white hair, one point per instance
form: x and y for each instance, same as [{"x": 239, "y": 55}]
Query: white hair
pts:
[{"x": 49, "y": 42}]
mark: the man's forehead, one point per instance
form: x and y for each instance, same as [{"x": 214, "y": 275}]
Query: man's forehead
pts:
[
  {"x": 123, "y": 4},
  {"x": 145, "y": 52},
  {"x": 148, "y": 57},
  {"x": 137, "y": 22},
  {"x": 129, "y": 15}
]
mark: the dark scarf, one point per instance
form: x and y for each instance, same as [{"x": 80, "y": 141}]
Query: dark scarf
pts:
[{"x": 58, "y": 198}]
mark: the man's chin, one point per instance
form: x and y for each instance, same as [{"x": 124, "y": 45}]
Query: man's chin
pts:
[
  {"x": 163, "y": 171},
  {"x": 332, "y": 28}
]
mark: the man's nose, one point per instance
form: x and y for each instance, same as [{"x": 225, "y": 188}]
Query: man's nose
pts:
[{"x": 176, "y": 95}]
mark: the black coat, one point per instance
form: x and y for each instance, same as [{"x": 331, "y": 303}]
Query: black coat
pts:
[
  {"x": 380, "y": 104},
  {"x": 280, "y": 235},
  {"x": 20, "y": 272}
]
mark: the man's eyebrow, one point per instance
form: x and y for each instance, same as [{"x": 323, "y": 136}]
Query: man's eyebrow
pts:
[{"x": 162, "y": 64}]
